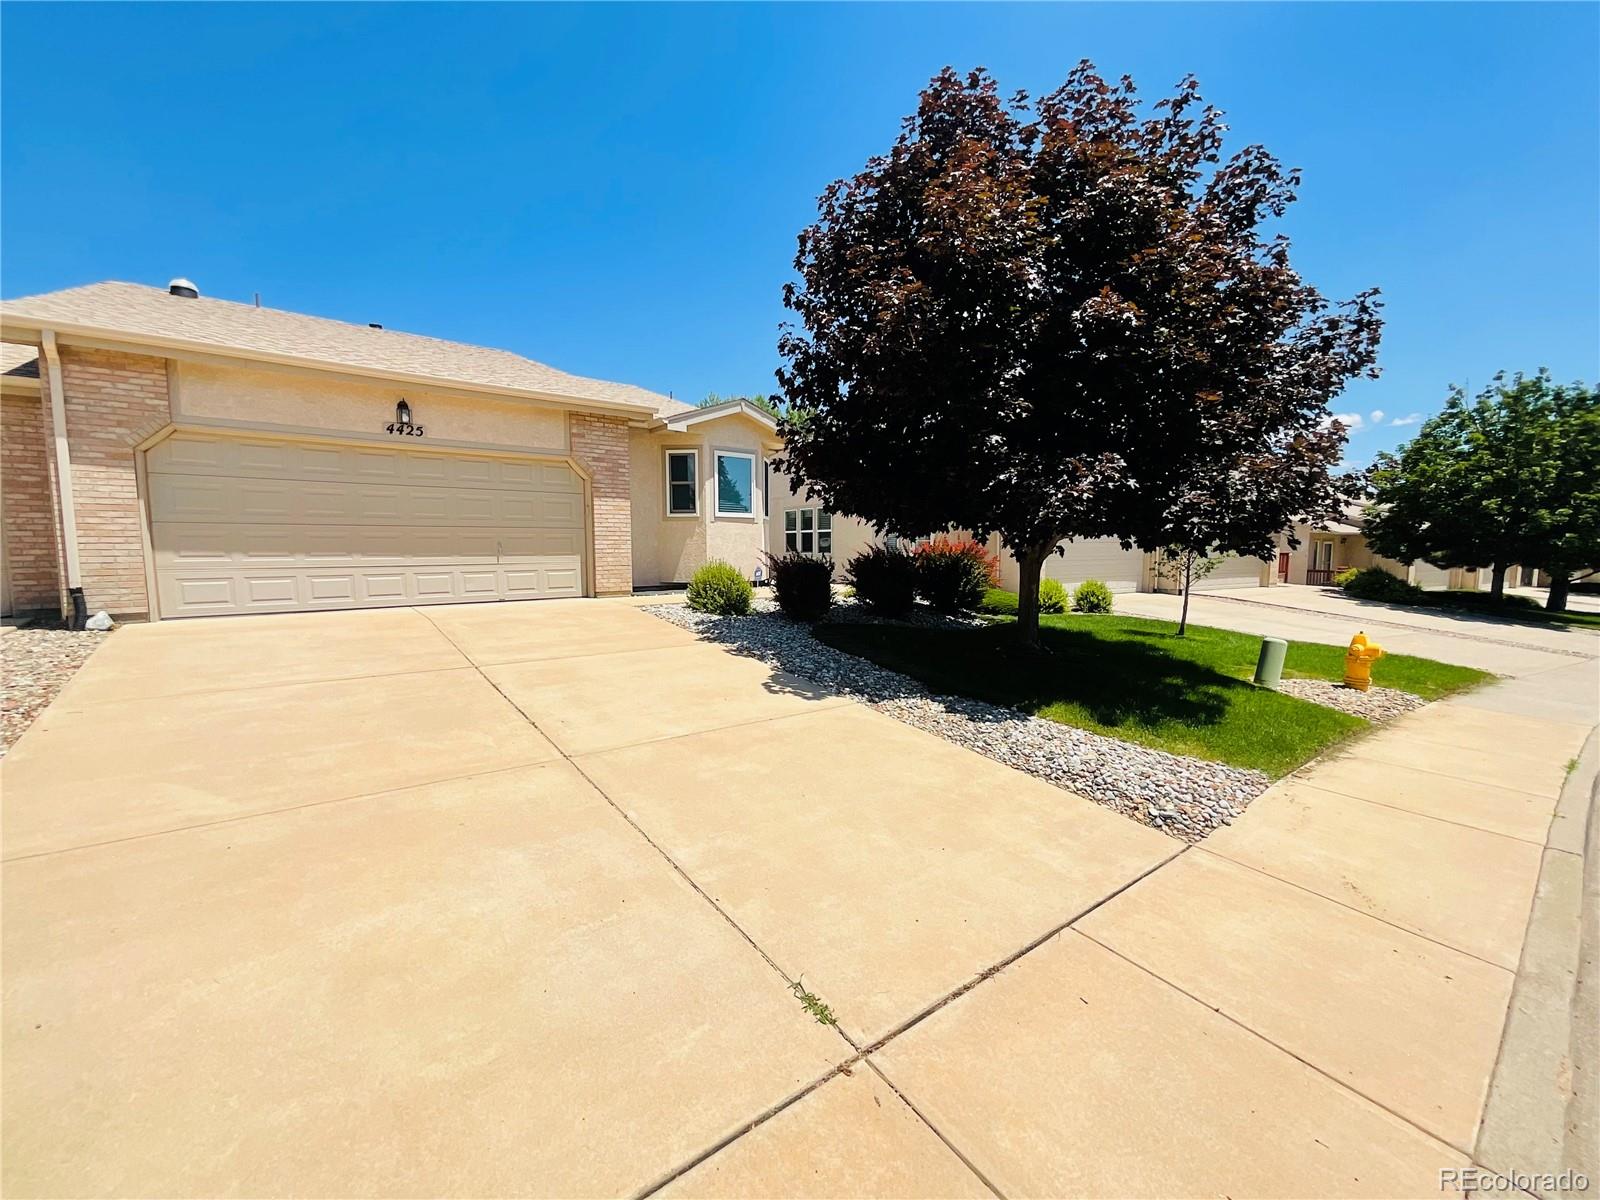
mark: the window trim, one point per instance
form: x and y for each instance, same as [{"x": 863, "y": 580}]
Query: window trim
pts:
[
  {"x": 716, "y": 487},
  {"x": 666, "y": 475},
  {"x": 799, "y": 532}
]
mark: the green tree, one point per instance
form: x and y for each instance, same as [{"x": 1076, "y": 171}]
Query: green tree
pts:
[
  {"x": 1056, "y": 319},
  {"x": 1512, "y": 476},
  {"x": 772, "y": 405}
]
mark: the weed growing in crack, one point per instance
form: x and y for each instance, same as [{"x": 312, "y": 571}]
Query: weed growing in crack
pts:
[{"x": 820, "y": 1012}]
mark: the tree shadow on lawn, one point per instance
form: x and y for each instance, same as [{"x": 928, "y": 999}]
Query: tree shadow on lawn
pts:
[{"x": 1112, "y": 682}]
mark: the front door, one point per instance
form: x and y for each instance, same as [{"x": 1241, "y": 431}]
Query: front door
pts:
[{"x": 1283, "y": 566}]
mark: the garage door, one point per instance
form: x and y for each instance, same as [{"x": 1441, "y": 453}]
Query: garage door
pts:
[
  {"x": 257, "y": 525},
  {"x": 1234, "y": 572},
  {"x": 1098, "y": 558}
]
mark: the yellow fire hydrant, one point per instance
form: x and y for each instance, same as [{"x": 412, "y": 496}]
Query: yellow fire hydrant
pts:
[{"x": 1358, "y": 662}]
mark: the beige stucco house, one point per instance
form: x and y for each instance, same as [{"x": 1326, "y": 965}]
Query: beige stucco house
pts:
[
  {"x": 1341, "y": 545},
  {"x": 173, "y": 455}
]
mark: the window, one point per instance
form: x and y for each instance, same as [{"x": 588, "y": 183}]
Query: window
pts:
[
  {"x": 736, "y": 484},
  {"x": 1322, "y": 555},
  {"x": 808, "y": 531},
  {"x": 683, "y": 499}
]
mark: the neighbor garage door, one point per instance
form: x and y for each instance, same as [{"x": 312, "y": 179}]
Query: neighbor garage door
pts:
[
  {"x": 1233, "y": 572},
  {"x": 1098, "y": 558},
  {"x": 262, "y": 525}
]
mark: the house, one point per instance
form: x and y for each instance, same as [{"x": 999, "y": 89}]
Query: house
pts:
[
  {"x": 1341, "y": 545},
  {"x": 172, "y": 455}
]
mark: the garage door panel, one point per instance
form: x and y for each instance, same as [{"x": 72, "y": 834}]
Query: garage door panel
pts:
[
  {"x": 1232, "y": 573},
  {"x": 1097, "y": 558},
  {"x": 282, "y": 534},
  {"x": 199, "y": 454}
]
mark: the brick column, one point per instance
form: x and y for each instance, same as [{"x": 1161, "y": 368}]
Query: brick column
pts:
[
  {"x": 27, "y": 505},
  {"x": 600, "y": 444},
  {"x": 114, "y": 401}
]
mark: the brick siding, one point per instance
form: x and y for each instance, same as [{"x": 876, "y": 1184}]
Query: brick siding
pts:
[
  {"x": 114, "y": 401},
  {"x": 27, "y": 505},
  {"x": 600, "y": 444}
]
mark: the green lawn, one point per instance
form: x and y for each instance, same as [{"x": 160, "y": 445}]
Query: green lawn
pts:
[{"x": 1137, "y": 680}]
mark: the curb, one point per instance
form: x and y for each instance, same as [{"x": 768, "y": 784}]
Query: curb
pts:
[{"x": 1539, "y": 1118}]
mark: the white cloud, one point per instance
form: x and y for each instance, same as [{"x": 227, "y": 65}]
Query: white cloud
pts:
[
  {"x": 1351, "y": 421},
  {"x": 1410, "y": 419},
  {"x": 1376, "y": 416}
]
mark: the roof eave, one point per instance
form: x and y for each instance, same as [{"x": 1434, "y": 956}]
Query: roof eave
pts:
[
  {"x": 17, "y": 327},
  {"x": 679, "y": 422}
]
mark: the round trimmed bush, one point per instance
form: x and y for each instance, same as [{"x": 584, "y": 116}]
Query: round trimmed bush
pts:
[
  {"x": 1374, "y": 583},
  {"x": 884, "y": 580},
  {"x": 719, "y": 589},
  {"x": 802, "y": 584},
  {"x": 953, "y": 573},
  {"x": 1092, "y": 596},
  {"x": 1052, "y": 596}
]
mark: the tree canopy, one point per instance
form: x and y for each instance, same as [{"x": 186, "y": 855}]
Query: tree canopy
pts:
[
  {"x": 1510, "y": 477},
  {"x": 1061, "y": 319}
]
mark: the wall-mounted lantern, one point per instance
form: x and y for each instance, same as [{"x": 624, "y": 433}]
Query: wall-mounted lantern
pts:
[{"x": 402, "y": 425}]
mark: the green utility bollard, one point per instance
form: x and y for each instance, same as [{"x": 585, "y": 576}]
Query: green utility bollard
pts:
[{"x": 1269, "y": 667}]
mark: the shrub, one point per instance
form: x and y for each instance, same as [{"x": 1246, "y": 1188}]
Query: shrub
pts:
[
  {"x": 1344, "y": 577},
  {"x": 1374, "y": 583},
  {"x": 718, "y": 588},
  {"x": 1092, "y": 596},
  {"x": 954, "y": 573},
  {"x": 1480, "y": 602},
  {"x": 998, "y": 602},
  {"x": 803, "y": 585},
  {"x": 1053, "y": 596},
  {"x": 884, "y": 580}
]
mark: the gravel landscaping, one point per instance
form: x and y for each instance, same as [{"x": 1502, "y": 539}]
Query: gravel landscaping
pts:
[
  {"x": 1184, "y": 797},
  {"x": 1375, "y": 704},
  {"x": 34, "y": 665}
]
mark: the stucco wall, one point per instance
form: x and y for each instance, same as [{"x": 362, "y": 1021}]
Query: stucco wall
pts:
[
  {"x": 670, "y": 549},
  {"x": 291, "y": 400},
  {"x": 850, "y": 535}
]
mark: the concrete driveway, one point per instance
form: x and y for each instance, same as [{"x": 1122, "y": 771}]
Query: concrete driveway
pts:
[{"x": 513, "y": 899}]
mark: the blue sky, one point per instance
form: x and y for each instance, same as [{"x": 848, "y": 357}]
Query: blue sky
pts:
[{"x": 616, "y": 189}]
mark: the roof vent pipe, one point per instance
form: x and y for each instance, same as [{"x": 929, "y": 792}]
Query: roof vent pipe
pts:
[
  {"x": 183, "y": 287},
  {"x": 373, "y": 325}
]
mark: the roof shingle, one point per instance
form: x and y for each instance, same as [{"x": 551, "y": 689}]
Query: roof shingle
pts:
[{"x": 137, "y": 311}]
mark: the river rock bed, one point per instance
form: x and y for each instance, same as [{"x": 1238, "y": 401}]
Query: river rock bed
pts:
[
  {"x": 34, "y": 665},
  {"x": 1185, "y": 797},
  {"x": 1375, "y": 704}
]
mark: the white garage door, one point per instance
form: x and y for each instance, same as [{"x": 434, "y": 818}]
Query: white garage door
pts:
[
  {"x": 1234, "y": 572},
  {"x": 261, "y": 525},
  {"x": 1098, "y": 558}
]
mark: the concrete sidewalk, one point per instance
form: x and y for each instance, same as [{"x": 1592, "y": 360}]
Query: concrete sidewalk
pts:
[{"x": 515, "y": 900}]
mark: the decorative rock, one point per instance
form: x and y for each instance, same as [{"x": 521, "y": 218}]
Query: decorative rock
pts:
[
  {"x": 1184, "y": 797},
  {"x": 1375, "y": 704},
  {"x": 34, "y": 665}
]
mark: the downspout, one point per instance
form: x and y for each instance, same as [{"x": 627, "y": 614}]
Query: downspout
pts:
[{"x": 69, "y": 514}]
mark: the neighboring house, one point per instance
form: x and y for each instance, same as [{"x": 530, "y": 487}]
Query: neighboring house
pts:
[
  {"x": 1340, "y": 545},
  {"x": 174, "y": 455}
]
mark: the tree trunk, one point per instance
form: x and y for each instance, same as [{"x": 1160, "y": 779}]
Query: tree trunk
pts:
[
  {"x": 1183, "y": 615},
  {"x": 1497, "y": 582},
  {"x": 1560, "y": 584},
  {"x": 1030, "y": 564}
]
